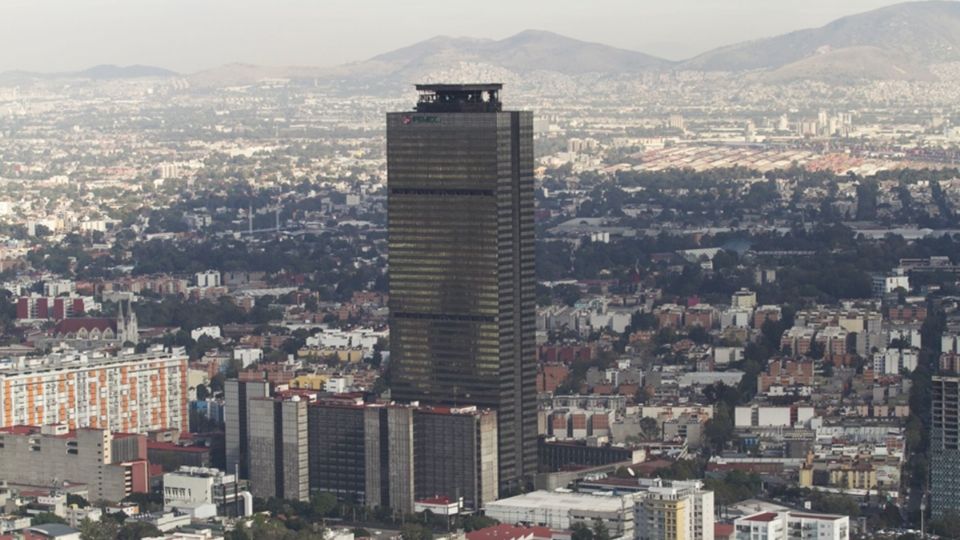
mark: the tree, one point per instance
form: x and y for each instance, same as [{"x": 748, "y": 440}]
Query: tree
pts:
[
  {"x": 135, "y": 530},
  {"x": 474, "y": 522},
  {"x": 600, "y": 531},
  {"x": 682, "y": 469},
  {"x": 581, "y": 532},
  {"x": 719, "y": 429},
  {"x": 323, "y": 504},
  {"x": 649, "y": 426},
  {"x": 836, "y": 504},
  {"x": 44, "y": 518},
  {"x": 105, "y": 529},
  {"x": 415, "y": 531}
]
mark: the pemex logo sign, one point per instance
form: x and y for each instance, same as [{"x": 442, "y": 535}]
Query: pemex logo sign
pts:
[{"x": 419, "y": 119}]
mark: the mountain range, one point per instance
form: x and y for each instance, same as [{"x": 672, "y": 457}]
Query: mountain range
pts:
[{"x": 899, "y": 42}]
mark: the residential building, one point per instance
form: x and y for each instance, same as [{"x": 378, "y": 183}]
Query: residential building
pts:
[
  {"x": 35, "y": 307},
  {"x": 209, "y": 278},
  {"x": 764, "y": 314},
  {"x": 895, "y": 361},
  {"x": 785, "y": 372},
  {"x": 205, "y": 493},
  {"x": 744, "y": 299},
  {"x": 797, "y": 340},
  {"x": 130, "y": 393},
  {"x": 673, "y": 510},
  {"x": 888, "y": 284},
  {"x": 110, "y": 468},
  {"x": 791, "y": 526},
  {"x": 759, "y": 415}
]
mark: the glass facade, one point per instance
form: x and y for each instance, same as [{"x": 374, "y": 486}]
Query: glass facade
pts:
[
  {"x": 945, "y": 446},
  {"x": 462, "y": 284}
]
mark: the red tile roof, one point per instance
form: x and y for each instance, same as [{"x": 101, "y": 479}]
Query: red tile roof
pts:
[
  {"x": 23, "y": 535},
  {"x": 72, "y": 326},
  {"x": 171, "y": 447},
  {"x": 816, "y": 516},
  {"x": 722, "y": 530},
  {"x": 766, "y": 517},
  {"x": 508, "y": 532},
  {"x": 20, "y": 430},
  {"x": 436, "y": 500}
]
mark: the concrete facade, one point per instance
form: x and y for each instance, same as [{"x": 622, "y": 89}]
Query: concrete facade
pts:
[
  {"x": 278, "y": 448},
  {"x": 42, "y": 456}
]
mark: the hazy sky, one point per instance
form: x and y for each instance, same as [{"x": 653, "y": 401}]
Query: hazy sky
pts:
[{"x": 189, "y": 35}]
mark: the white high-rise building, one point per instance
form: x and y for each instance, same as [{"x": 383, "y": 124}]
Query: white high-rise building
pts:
[
  {"x": 744, "y": 299},
  {"x": 210, "y": 278},
  {"x": 792, "y": 526}
]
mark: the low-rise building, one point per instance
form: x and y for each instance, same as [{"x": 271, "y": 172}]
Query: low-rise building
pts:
[
  {"x": 111, "y": 467},
  {"x": 563, "y": 509},
  {"x": 791, "y": 526},
  {"x": 205, "y": 493}
]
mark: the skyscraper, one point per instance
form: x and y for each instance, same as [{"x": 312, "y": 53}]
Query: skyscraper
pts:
[
  {"x": 278, "y": 447},
  {"x": 462, "y": 284},
  {"x": 237, "y": 395},
  {"x": 945, "y": 446}
]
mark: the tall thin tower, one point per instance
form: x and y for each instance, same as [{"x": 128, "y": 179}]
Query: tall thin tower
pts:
[
  {"x": 945, "y": 445},
  {"x": 462, "y": 283}
]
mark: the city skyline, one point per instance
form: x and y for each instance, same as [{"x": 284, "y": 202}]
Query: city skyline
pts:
[
  {"x": 259, "y": 304},
  {"x": 56, "y": 36}
]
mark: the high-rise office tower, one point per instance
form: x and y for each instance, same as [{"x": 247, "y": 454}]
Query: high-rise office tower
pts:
[
  {"x": 945, "y": 446},
  {"x": 237, "y": 395},
  {"x": 390, "y": 455},
  {"x": 278, "y": 447},
  {"x": 462, "y": 283}
]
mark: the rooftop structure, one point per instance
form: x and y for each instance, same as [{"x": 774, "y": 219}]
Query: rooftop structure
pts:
[{"x": 459, "y": 97}]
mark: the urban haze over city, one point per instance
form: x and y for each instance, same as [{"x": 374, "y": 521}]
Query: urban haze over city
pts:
[{"x": 610, "y": 270}]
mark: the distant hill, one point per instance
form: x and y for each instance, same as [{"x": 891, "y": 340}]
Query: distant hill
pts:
[
  {"x": 109, "y": 71},
  {"x": 851, "y": 63},
  {"x": 899, "y": 42},
  {"x": 526, "y": 52},
  {"x": 242, "y": 74},
  {"x": 100, "y": 73},
  {"x": 896, "y": 42}
]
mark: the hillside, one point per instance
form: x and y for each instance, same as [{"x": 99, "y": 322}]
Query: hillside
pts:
[
  {"x": 919, "y": 33},
  {"x": 523, "y": 53}
]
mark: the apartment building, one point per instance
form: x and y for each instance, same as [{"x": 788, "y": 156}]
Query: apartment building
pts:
[
  {"x": 677, "y": 510},
  {"x": 110, "y": 466},
  {"x": 203, "y": 493},
  {"x": 130, "y": 393},
  {"x": 792, "y": 526}
]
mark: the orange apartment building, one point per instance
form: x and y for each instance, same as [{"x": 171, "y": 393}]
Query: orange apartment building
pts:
[{"x": 132, "y": 393}]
